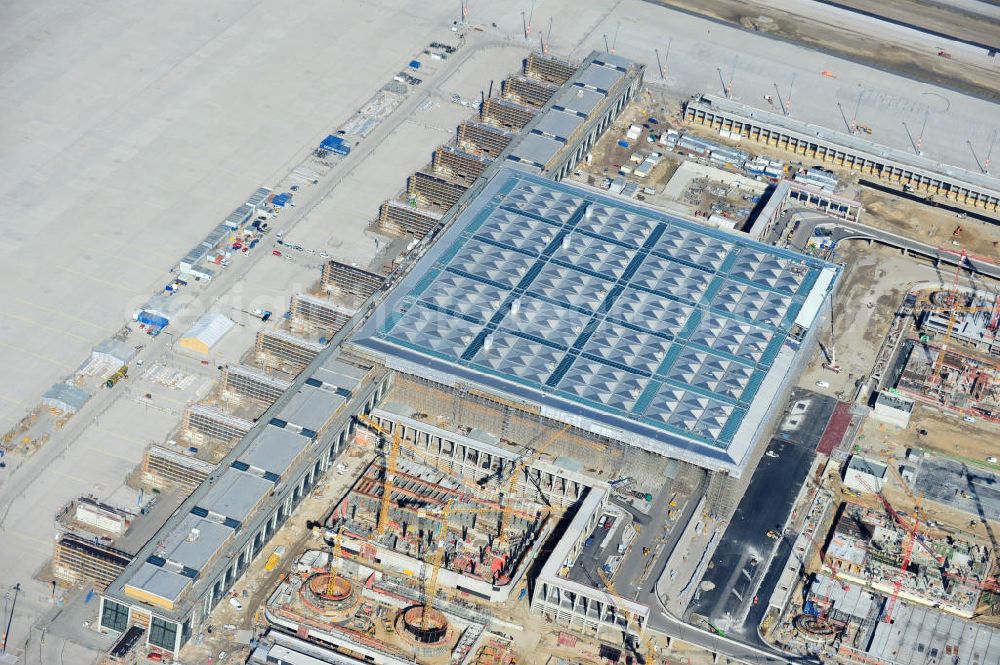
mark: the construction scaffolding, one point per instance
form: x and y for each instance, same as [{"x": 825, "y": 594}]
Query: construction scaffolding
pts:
[
  {"x": 528, "y": 91},
  {"x": 79, "y": 561},
  {"x": 548, "y": 68},
  {"x": 432, "y": 190},
  {"x": 464, "y": 408},
  {"x": 342, "y": 278},
  {"x": 506, "y": 114},
  {"x": 396, "y": 217},
  {"x": 485, "y": 139},
  {"x": 245, "y": 382},
  {"x": 449, "y": 161},
  {"x": 321, "y": 315},
  {"x": 164, "y": 467},
  {"x": 279, "y": 349},
  {"x": 207, "y": 422}
]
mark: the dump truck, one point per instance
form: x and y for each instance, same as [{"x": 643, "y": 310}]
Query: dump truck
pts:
[{"x": 272, "y": 561}]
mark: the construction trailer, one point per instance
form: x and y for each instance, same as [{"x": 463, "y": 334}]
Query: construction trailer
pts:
[
  {"x": 506, "y": 114},
  {"x": 453, "y": 162},
  {"x": 209, "y": 423},
  {"x": 82, "y": 561},
  {"x": 429, "y": 189},
  {"x": 168, "y": 468},
  {"x": 283, "y": 350},
  {"x": 247, "y": 382},
  {"x": 320, "y": 314},
  {"x": 530, "y": 91},
  {"x": 549, "y": 68},
  {"x": 482, "y": 138},
  {"x": 342, "y": 278},
  {"x": 100, "y": 516},
  {"x": 396, "y": 217}
]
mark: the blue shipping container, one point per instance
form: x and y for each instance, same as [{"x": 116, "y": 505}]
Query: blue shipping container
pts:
[
  {"x": 151, "y": 319},
  {"x": 331, "y": 142},
  {"x": 414, "y": 64}
]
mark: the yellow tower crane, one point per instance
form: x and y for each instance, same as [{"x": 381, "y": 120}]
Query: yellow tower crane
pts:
[
  {"x": 392, "y": 457},
  {"x": 335, "y": 554},
  {"x": 437, "y": 562},
  {"x": 520, "y": 464},
  {"x": 952, "y": 311},
  {"x": 614, "y": 595}
]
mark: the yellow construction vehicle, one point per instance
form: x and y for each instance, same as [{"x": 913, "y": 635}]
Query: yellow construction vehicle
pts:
[{"x": 116, "y": 377}]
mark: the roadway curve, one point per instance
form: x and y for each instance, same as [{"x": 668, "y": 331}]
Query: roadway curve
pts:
[{"x": 811, "y": 219}]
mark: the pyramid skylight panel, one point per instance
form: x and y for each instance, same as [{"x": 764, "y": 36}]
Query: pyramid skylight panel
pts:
[{"x": 608, "y": 315}]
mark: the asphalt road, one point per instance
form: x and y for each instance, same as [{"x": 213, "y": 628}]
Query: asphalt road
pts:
[
  {"x": 853, "y": 231},
  {"x": 744, "y": 553}
]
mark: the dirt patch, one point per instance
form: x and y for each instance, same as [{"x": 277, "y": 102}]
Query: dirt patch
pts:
[
  {"x": 947, "y": 433},
  {"x": 863, "y": 309},
  {"x": 929, "y": 225}
]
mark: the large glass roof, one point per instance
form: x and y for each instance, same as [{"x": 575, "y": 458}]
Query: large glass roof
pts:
[{"x": 622, "y": 315}]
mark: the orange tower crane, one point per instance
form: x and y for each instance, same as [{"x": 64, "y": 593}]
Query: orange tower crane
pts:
[{"x": 908, "y": 540}]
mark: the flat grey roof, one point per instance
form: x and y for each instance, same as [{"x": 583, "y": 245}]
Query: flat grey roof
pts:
[
  {"x": 159, "y": 582},
  {"x": 274, "y": 450},
  {"x": 617, "y": 318},
  {"x": 235, "y": 494},
  {"x": 113, "y": 347},
  {"x": 923, "y": 636},
  {"x": 341, "y": 374},
  {"x": 195, "y": 548},
  {"x": 613, "y": 60},
  {"x": 559, "y": 123},
  {"x": 600, "y": 77},
  {"x": 578, "y": 99},
  {"x": 536, "y": 149},
  {"x": 67, "y": 394},
  {"x": 311, "y": 407}
]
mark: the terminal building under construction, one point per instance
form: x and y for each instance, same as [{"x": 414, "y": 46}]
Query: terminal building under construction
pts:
[{"x": 541, "y": 310}]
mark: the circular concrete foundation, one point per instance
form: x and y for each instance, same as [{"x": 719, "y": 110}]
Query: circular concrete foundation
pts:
[
  {"x": 428, "y": 635},
  {"x": 330, "y": 595},
  {"x": 815, "y": 629}
]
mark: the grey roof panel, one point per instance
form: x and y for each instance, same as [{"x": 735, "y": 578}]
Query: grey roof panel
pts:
[
  {"x": 535, "y": 149},
  {"x": 559, "y": 124},
  {"x": 600, "y": 77},
  {"x": 195, "y": 542},
  {"x": 159, "y": 582},
  {"x": 579, "y": 100},
  {"x": 274, "y": 450},
  {"x": 312, "y": 407},
  {"x": 236, "y": 494}
]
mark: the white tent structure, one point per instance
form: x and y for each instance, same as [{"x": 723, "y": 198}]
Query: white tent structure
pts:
[{"x": 206, "y": 333}]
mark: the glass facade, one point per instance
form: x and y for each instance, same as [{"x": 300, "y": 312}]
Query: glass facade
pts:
[
  {"x": 114, "y": 616},
  {"x": 163, "y": 634}
]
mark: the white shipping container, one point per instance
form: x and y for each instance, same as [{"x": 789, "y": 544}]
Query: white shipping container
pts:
[{"x": 100, "y": 519}]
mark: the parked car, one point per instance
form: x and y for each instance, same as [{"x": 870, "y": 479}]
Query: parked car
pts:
[
  {"x": 275, "y": 252},
  {"x": 236, "y": 603}
]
